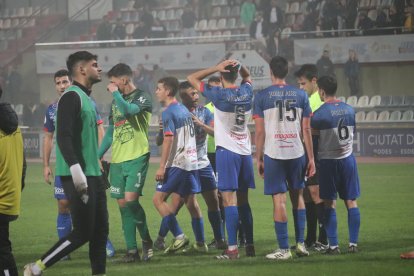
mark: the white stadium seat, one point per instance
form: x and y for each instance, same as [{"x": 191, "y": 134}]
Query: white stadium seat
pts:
[
  {"x": 371, "y": 116},
  {"x": 384, "y": 116}
]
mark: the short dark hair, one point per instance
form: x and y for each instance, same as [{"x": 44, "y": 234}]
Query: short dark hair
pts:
[
  {"x": 328, "y": 84},
  {"x": 308, "y": 71},
  {"x": 76, "y": 57},
  {"x": 231, "y": 75},
  {"x": 119, "y": 70},
  {"x": 213, "y": 79},
  {"x": 61, "y": 73},
  {"x": 170, "y": 83},
  {"x": 279, "y": 67},
  {"x": 185, "y": 85}
]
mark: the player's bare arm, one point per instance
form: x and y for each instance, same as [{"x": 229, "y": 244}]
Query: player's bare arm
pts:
[
  {"x": 260, "y": 139},
  {"x": 208, "y": 129},
  {"x": 166, "y": 149},
  {"x": 47, "y": 150},
  {"x": 307, "y": 138}
]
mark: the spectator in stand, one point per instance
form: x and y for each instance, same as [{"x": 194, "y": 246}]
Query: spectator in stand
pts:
[
  {"x": 310, "y": 22},
  {"x": 330, "y": 17},
  {"x": 146, "y": 17},
  {"x": 188, "y": 20},
  {"x": 408, "y": 22},
  {"x": 325, "y": 65},
  {"x": 383, "y": 21},
  {"x": 365, "y": 24},
  {"x": 13, "y": 85},
  {"x": 273, "y": 17},
  {"x": 142, "y": 78},
  {"x": 104, "y": 31},
  {"x": 352, "y": 73},
  {"x": 274, "y": 44},
  {"x": 119, "y": 32},
  {"x": 140, "y": 32},
  {"x": 158, "y": 30},
  {"x": 256, "y": 28},
  {"x": 351, "y": 14},
  {"x": 247, "y": 13},
  {"x": 204, "y": 9},
  {"x": 341, "y": 16}
]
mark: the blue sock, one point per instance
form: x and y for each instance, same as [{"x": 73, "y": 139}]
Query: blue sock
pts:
[
  {"x": 232, "y": 220},
  {"x": 354, "y": 221},
  {"x": 64, "y": 225},
  {"x": 173, "y": 225},
  {"x": 331, "y": 226},
  {"x": 198, "y": 229},
  {"x": 301, "y": 222},
  {"x": 295, "y": 223},
  {"x": 246, "y": 218},
  {"x": 163, "y": 228},
  {"x": 216, "y": 223},
  {"x": 282, "y": 234}
]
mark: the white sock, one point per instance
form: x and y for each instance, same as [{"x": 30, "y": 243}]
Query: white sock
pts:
[
  {"x": 180, "y": 237},
  {"x": 35, "y": 268},
  {"x": 352, "y": 244},
  {"x": 232, "y": 247}
]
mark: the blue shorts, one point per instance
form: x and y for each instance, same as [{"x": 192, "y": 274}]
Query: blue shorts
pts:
[
  {"x": 339, "y": 176},
  {"x": 59, "y": 192},
  {"x": 281, "y": 175},
  {"x": 234, "y": 171},
  {"x": 207, "y": 179},
  {"x": 179, "y": 181}
]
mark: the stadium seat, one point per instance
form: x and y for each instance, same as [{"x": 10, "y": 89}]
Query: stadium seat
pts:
[
  {"x": 385, "y": 100},
  {"x": 408, "y": 115},
  {"x": 179, "y": 13},
  {"x": 395, "y": 115},
  {"x": 303, "y": 7},
  {"x": 161, "y": 15},
  {"x": 384, "y": 116},
  {"x": 45, "y": 11},
  {"x": 216, "y": 12},
  {"x": 212, "y": 24},
  {"x": 364, "y": 3},
  {"x": 221, "y": 24},
  {"x": 294, "y": 7},
  {"x": 363, "y": 101},
  {"x": 20, "y": 12},
  {"x": 7, "y": 23},
  {"x": 217, "y": 33},
  {"x": 375, "y": 3},
  {"x": 227, "y": 33},
  {"x": 409, "y": 100},
  {"x": 375, "y": 101},
  {"x": 397, "y": 100},
  {"x": 360, "y": 116},
  {"x": 202, "y": 24},
  {"x": 290, "y": 19},
  {"x": 287, "y": 8},
  {"x": 19, "y": 109},
  {"x": 371, "y": 116},
  {"x": 154, "y": 13},
  {"x": 235, "y": 11},
  {"x": 15, "y": 22},
  {"x": 170, "y": 15},
  {"x": 342, "y": 99},
  {"x": 231, "y": 23},
  {"x": 352, "y": 101},
  {"x": 225, "y": 11}
]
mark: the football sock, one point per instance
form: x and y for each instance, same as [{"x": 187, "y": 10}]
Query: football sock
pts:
[
  {"x": 140, "y": 219},
  {"x": 163, "y": 228},
  {"x": 246, "y": 218},
  {"x": 354, "y": 221},
  {"x": 301, "y": 217},
  {"x": 311, "y": 222},
  {"x": 216, "y": 224},
  {"x": 282, "y": 234},
  {"x": 198, "y": 229},
  {"x": 64, "y": 225},
  {"x": 320, "y": 209},
  {"x": 331, "y": 226},
  {"x": 173, "y": 225},
  {"x": 129, "y": 228},
  {"x": 232, "y": 220},
  {"x": 38, "y": 267}
]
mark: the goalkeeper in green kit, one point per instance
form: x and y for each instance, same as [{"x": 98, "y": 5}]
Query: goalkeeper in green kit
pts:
[{"x": 128, "y": 134}]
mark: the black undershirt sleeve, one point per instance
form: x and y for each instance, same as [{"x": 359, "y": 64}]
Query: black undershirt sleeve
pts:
[{"x": 68, "y": 111}]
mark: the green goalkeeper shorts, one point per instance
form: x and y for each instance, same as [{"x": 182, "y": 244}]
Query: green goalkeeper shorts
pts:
[{"x": 128, "y": 176}]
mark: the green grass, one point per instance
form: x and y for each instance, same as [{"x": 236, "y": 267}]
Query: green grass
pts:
[{"x": 387, "y": 225}]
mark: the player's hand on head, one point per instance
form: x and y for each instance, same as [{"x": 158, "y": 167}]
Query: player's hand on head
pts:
[
  {"x": 47, "y": 173},
  {"x": 159, "y": 175},
  {"x": 221, "y": 67},
  {"x": 112, "y": 87}
]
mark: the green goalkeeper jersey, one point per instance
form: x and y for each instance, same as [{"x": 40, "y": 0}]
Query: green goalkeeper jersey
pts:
[{"x": 130, "y": 137}]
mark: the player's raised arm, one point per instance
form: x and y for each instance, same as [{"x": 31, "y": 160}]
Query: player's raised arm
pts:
[
  {"x": 196, "y": 77},
  {"x": 245, "y": 74}
]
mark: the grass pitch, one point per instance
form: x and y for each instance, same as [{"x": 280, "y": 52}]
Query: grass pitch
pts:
[{"x": 387, "y": 227}]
